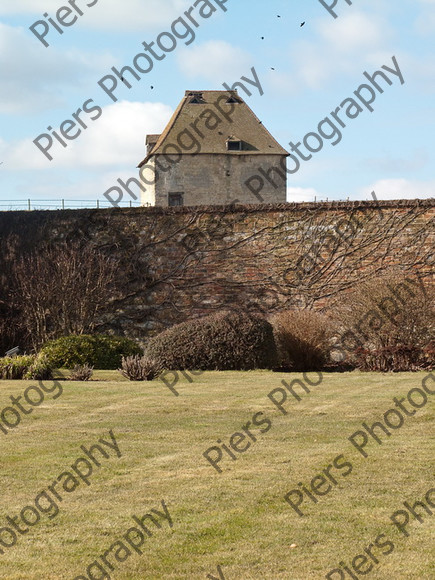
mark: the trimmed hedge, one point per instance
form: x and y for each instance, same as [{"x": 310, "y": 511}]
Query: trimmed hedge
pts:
[
  {"x": 98, "y": 350},
  {"x": 221, "y": 341}
]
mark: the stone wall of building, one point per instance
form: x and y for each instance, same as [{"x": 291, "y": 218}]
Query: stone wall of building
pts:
[
  {"x": 198, "y": 175},
  {"x": 176, "y": 263}
]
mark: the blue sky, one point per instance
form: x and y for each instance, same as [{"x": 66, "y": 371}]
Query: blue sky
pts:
[{"x": 316, "y": 67}]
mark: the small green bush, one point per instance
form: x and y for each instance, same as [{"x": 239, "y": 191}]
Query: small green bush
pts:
[
  {"x": 221, "y": 341},
  {"x": 15, "y": 368},
  {"x": 40, "y": 369},
  {"x": 25, "y": 367},
  {"x": 98, "y": 350}
]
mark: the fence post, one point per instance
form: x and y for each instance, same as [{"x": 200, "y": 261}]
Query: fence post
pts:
[
  {"x": 28, "y": 204},
  {"x": 63, "y": 204},
  {"x": 98, "y": 204}
]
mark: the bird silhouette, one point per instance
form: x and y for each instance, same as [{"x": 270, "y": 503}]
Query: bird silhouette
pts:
[{"x": 302, "y": 23}]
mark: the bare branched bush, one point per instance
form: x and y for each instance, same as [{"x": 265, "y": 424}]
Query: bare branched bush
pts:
[
  {"x": 81, "y": 373},
  {"x": 303, "y": 339},
  {"x": 139, "y": 368},
  {"x": 388, "y": 323},
  {"x": 61, "y": 290}
]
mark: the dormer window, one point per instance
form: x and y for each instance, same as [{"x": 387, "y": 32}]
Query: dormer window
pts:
[
  {"x": 233, "y": 145},
  {"x": 196, "y": 98}
]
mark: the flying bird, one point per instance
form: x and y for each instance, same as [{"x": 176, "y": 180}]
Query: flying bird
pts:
[{"x": 303, "y": 23}]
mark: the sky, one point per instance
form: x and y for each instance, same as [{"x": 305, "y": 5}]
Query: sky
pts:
[{"x": 306, "y": 73}]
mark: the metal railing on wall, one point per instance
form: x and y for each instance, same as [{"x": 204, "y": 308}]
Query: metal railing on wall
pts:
[
  {"x": 53, "y": 204},
  {"x": 56, "y": 204}
]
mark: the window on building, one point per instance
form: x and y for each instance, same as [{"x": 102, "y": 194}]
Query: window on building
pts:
[
  {"x": 176, "y": 198},
  {"x": 196, "y": 98},
  {"x": 234, "y": 145}
]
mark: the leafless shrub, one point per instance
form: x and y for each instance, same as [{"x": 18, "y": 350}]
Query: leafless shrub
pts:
[
  {"x": 139, "y": 368},
  {"x": 303, "y": 339},
  {"x": 60, "y": 290},
  {"x": 388, "y": 323},
  {"x": 81, "y": 373}
]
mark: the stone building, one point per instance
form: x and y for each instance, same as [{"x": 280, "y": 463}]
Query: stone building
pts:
[{"x": 208, "y": 154}]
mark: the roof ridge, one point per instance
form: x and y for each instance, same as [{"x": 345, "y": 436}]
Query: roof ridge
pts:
[{"x": 238, "y": 120}]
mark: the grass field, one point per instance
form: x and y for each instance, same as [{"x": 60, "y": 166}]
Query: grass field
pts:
[{"x": 237, "y": 519}]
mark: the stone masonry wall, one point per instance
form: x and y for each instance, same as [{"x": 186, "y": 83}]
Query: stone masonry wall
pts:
[
  {"x": 177, "y": 263},
  {"x": 198, "y": 175}
]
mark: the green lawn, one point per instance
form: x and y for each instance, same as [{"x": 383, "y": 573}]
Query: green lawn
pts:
[{"x": 238, "y": 518}]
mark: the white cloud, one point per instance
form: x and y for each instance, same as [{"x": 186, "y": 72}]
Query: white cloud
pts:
[
  {"x": 116, "y": 139},
  {"x": 419, "y": 72},
  {"x": 387, "y": 189},
  {"x": 216, "y": 60},
  {"x": 342, "y": 46},
  {"x": 34, "y": 79},
  {"x": 415, "y": 161},
  {"x": 76, "y": 188},
  {"x": 398, "y": 189},
  {"x": 300, "y": 194},
  {"x": 105, "y": 14}
]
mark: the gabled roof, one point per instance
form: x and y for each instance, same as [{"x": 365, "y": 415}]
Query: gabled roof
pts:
[{"x": 198, "y": 106}]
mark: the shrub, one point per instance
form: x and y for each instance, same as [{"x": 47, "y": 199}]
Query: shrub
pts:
[
  {"x": 222, "y": 341},
  {"x": 303, "y": 339},
  {"x": 40, "y": 369},
  {"x": 99, "y": 351},
  {"x": 398, "y": 358},
  {"x": 81, "y": 373},
  {"x": 86, "y": 284},
  {"x": 139, "y": 368},
  {"x": 429, "y": 356},
  {"x": 25, "y": 367},
  {"x": 15, "y": 368},
  {"x": 388, "y": 324}
]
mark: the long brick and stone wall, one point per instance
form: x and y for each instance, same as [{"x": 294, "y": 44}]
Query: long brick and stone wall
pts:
[{"x": 176, "y": 263}]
